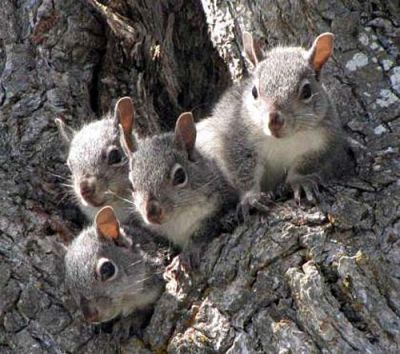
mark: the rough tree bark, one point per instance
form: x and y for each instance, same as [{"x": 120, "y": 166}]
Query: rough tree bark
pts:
[{"x": 302, "y": 280}]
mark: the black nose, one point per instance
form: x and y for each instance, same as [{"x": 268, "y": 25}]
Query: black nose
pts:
[
  {"x": 275, "y": 121},
  {"x": 89, "y": 312},
  {"x": 86, "y": 189},
  {"x": 154, "y": 211}
]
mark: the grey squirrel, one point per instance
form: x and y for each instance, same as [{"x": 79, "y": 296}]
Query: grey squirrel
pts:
[
  {"x": 112, "y": 271},
  {"x": 177, "y": 191},
  {"x": 97, "y": 163},
  {"x": 279, "y": 125}
]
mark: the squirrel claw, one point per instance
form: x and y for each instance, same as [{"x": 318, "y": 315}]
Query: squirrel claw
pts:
[
  {"x": 310, "y": 188},
  {"x": 229, "y": 221},
  {"x": 253, "y": 200},
  {"x": 242, "y": 212}
]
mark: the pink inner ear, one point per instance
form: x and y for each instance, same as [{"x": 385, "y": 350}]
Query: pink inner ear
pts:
[
  {"x": 109, "y": 231},
  {"x": 322, "y": 51},
  {"x": 124, "y": 107},
  {"x": 185, "y": 130},
  {"x": 251, "y": 48},
  {"x": 126, "y": 115},
  {"x": 107, "y": 224}
]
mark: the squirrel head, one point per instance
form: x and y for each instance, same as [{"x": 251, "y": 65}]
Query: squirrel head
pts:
[
  {"x": 106, "y": 274},
  {"x": 285, "y": 94},
  {"x": 99, "y": 168},
  {"x": 167, "y": 173}
]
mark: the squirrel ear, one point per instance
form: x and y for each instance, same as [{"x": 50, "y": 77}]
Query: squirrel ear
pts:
[
  {"x": 124, "y": 117},
  {"x": 107, "y": 224},
  {"x": 251, "y": 49},
  {"x": 185, "y": 132},
  {"x": 65, "y": 131},
  {"x": 321, "y": 51}
]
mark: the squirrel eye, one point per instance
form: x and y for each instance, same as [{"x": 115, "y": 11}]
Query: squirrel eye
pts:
[
  {"x": 106, "y": 269},
  {"x": 254, "y": 92},
  {"x": 114, "y": 157},
  {"x": 179, "y": 177},
  {"x": 305, "y": 93}
]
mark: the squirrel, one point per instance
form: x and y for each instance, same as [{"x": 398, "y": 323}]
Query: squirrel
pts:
[
  {"x": 277, "y": 126},
  {"x": 112, "y": 270},
  {"x": 98, "y": 166},
  {"x": 177, "y": 191}
]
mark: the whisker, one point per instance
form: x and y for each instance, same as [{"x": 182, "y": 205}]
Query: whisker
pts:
[
  {"x": 67, "y": 185},
  {"x": 134, "y": 263},
  {"x": 147, "y": 278},
  {"x": 61, "y": 200},
  {"x": 109, "y": 191},
  {"x": 305, "y": 114},
  {"x": 58, "y": 176}
]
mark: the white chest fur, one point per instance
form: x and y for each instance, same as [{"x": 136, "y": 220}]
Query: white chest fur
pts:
[
  {"x": 281, "y": 154},
  {"x": 179, "y": 228}
]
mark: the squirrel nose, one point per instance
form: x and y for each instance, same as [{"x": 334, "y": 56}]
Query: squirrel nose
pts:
[
  {"x": 90, "y": 313},
  {"x": 86, "y": 188},
  {"x": 275, "y": 122},
  {"x": 154, "y": 211}
]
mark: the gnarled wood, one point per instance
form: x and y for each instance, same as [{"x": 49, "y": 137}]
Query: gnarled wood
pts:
[{"x": 301, "y": 280}]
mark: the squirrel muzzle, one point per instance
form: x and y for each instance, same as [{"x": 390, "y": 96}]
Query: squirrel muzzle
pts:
[
  {"x": 90, "y": 313},
  {"x": 276, "y": 122},
  {"x": 154, "y": 212}
]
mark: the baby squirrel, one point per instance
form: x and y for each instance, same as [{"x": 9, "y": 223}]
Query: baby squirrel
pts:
[
  {"x": 177, "y": 191},
  {"x": 279, "y": 125},
  {"x": 112, "y": 271},
  {"x": 98, "y": 165}
]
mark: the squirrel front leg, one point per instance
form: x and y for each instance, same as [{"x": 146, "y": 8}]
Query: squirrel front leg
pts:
[
  {"x": 307, "y": 183},
  {"x": 314, "y": 169},
  {"x": 247, "y": 170}
]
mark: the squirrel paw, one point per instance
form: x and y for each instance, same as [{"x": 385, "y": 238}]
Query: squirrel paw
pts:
[
  {"x": 119, "y": 329},
  {"x": 133, "y": 324},
  {"x": 310, "y": 187},
  {"x": 229, "y": 221},
  {"x": 253, "y": 200},
  {"x": 122, "y": 329}
]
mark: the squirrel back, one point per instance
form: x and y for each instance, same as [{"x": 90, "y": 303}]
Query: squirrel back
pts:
[
  {"x": 224, "y": 130},
  {"x": 112, "y": 271},
  {"x": 99, "y": 168}
]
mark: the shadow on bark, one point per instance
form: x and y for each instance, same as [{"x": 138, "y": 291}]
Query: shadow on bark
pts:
[{"x": 310, "y": 279}]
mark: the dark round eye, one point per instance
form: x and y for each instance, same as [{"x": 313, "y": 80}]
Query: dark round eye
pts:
[
  {"x": 114, "y": 157},
  {"x": 254, "y": 92},
  {"x": 106, "y": 270},
  {"x": 179, "y": 177},
  {"x": 305, "y": 92}
]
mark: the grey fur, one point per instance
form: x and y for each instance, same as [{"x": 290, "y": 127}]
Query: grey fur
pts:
[
  {"x": 226, "y": 137},
  {"x": 140, "y": 260},
  {"x": 88, "y": 157},
  {"x": 187, "y": 208},
  {"x": 238, "y": 128}
]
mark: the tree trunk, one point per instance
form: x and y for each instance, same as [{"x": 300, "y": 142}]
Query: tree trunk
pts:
[{"x": 301, "y": 279}]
